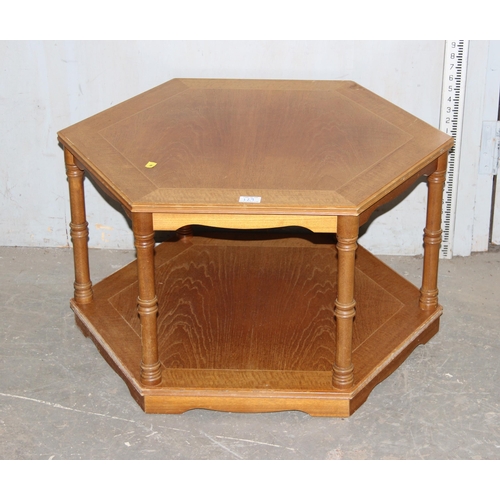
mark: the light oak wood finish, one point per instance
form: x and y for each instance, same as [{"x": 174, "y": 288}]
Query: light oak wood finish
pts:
[
  {"x": 432, "y": 236},
  {"x": 307, "y": 148},
  {"x": 345, "y": 305},
  {"x": 246, "y": 323},
  {"x": 241, "y": 320},
  {"x": 78, "y": 231},
  {"x": 147, "y": 302},
  {"x": 171, "y": 222}
]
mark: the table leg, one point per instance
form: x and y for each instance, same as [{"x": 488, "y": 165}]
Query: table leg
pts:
[
  {"x": 79, "y": 231},
  {"x": 432, "y": 236},
  {"x": 185, "y": 233},
  {"x": 147, "y": 302},
  {"x": 345, "y": 305}
]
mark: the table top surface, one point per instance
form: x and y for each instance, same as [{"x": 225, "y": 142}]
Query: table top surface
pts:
[{"x": 260, "y": 146}]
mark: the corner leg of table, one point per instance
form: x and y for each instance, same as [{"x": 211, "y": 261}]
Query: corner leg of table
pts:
[
  {"x": 79, "y": 231},
  {"x": 345, "y": 305},
  {"x": 432, "y": 236},
  {"x": 147, "y": 302}
]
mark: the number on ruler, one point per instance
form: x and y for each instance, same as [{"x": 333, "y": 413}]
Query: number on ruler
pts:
[{"x": 451, "y": 123}]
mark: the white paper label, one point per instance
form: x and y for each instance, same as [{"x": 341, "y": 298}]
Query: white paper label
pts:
[{"x": 250, "y": 199}]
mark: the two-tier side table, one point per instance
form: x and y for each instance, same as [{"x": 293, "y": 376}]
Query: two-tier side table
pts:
[{"x": 231, "y": 313}]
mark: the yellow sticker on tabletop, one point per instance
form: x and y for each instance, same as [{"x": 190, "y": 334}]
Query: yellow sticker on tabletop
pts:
[{"x": 150, "y": 164}]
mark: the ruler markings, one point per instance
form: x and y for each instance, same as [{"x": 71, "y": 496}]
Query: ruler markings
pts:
[{"x": 452, "y": 104}]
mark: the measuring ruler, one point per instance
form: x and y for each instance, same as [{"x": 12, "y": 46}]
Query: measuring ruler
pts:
[{"x": 452, "y": 109}]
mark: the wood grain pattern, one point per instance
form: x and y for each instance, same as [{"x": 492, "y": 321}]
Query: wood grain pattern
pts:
[
  {"x": 201, "y": 327},
  {"x": 247, "y": 139},
  {"x": 267, "y": 341},
  {"x": 334, "y": 145},
  {"x": 241, "y": 320},
  {"x": 245, "y": 306}
]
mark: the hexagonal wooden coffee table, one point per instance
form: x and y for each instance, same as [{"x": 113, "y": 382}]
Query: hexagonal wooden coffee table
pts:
[{"x": 240, "y": 318}]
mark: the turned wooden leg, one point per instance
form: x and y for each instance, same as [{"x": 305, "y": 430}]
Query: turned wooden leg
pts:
[
  {"x": 147, "y": 302},
  {"x": 184, "y": 233},
  {"x": 432, "y": 236},
  {"x": 79, "y": 231},
  {"x": 345, "y": 305}
]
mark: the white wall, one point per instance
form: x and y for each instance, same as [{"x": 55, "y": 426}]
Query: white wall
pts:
[
  {"x": 475, "y": 188},
  {"x": 46, "y": 86}
]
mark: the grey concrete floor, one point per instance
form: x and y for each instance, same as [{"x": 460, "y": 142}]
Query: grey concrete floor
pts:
[{"x": 60, "y": 400}]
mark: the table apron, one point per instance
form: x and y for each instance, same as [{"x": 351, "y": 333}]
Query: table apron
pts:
[{"x": 316, "y": 223}]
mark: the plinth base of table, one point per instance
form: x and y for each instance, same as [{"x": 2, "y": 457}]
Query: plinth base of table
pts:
[{"x": 246, "y": 324}]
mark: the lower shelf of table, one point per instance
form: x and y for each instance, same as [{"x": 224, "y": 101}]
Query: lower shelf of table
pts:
[{"x": 246, "y": 324}]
